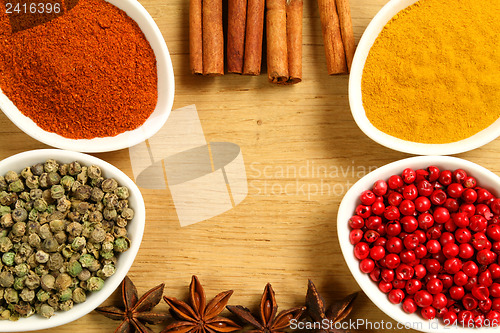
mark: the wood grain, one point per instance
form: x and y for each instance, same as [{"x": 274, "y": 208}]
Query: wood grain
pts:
[{"x": 279, "y": 234}]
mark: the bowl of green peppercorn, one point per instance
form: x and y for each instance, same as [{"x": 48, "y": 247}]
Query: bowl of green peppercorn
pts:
[{"x": 70, "y": 228}]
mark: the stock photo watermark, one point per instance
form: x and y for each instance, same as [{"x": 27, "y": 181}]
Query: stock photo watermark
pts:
[{"x": 307, "y": 179}]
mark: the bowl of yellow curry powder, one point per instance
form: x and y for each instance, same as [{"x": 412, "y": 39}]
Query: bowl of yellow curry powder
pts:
[{"x": 425, "y": 78}]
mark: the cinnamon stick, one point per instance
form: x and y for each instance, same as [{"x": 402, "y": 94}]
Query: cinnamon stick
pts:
[
  {"x": 213, "y": 38},
  {"x": 334, "y": 48},
  {"x": 344, "y": 11},
  {"x": 195, "y": 37},
  {"x": 277, "y": 54},
  {"x": 294, "y": 14},
  {"x": 254, "y": 36},
  {"x": 237, "y": 14}
]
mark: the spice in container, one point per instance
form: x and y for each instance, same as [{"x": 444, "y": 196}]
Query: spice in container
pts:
[
  {"x": 432, "y": 75},
  {"x": 85, "y": 74},
  {"x": 62, "y": 227}
]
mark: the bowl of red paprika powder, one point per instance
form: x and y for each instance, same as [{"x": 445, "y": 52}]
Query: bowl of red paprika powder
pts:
[{"x": 96, "y": 78}]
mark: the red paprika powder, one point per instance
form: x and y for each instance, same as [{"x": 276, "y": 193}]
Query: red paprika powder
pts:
[{"x": 88, "y": 73}]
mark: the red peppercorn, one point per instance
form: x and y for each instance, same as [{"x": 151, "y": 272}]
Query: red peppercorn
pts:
[
  {"x": 445, "y": 177},
  {"x": 428, "y": 313},
  {"x": 364, "y": 211},
  {"x": 387, "y": 275},
  {"x": 355, "y": 236},
  {"x": 356, "y": 222},
  {"x": 450, "y": 318},
  {"x": 459, "y": 176},
  {"x": 380, "y": 188},
  {"x": 451, "y": 250},
  {"x": 422, "y": 204},
  {"x": 439, "y": 301},
  {"x": 433, "y": 173},
  {"x": 404, "y": 272},
  {"x": 409, "y": 223},
  {"x": 485, "y": 278},
  {"x": 478, "y": 223},
  {"x": 408, "y": 257},
  {"x": 469, "y": 302},
  {"x": 471, "y": 283},
  {"x": 470, "y": 182},
  {"x": 377, "y": 253},
  {"x": 410, "y": 192},
  {"x": 470, "y": 268},
  {"x": 438, "y": 197},
  {"x": 407, "y": 207},
  {"x": 485, "y": 306},
  {"x": 434, "y": 286},
  {"x": 494, "y": 289},
  {"x": 446, "y": 238},
  {"x": 409, "y": 306},
  {"x": 441, "y": 215},
  {"x": 466, "y": 251},
  {"x": 421, "y": 236},
  {"x": 484, "y": 211},
  {"x": 371, "y": 236},
  {"x": 395, "y": 182},
  {"x": 420, "y": 251},
  {"x": 483, "y": 195},
  {"x": 494, "y": 318},
  {"x": 423, "y": 298},
  {"x": 469, "y": 196},
  {"x": 373, "y": 222},
  {"x": 455, "y": 190},
  {"x": 433, "y": 266},
  {"x": 375, "y": 274},
  {"x": 452, "y": 266},
  {"x": 378, "y": 208},
  {"x": 452, "y": 205},
  {"x": 361, "y": 250},
  {"x": 495, "y": 271},
  {"x": 367, "y": 198},
  {"x": 468, "y": 209},
  {"x": 425, "y": 221},
  {"x": 366, "y": 265},
  {"x": 412, "y": 286},
  {"x": 460, "y": 279},
  {"x": 409, "y": 175},
  {"x": 480, "y": 292},
  {"x": 411, "y": 242},
  {"x": 395, "y": 199},
  {"x": 385, "y": 287},
  {"x": 486, "y": 257},
  {"x": 399, "y": 284},
  {"x": 425, "y": 188},
  {"x": 393, "y": 228},
  {"x": 392, "y": 260},
  {"x": 463, "y": 235},
  {"x": 394, "y": 245},
  {"x": 447, "y": 280},
  {"x": 396, "y": 296},
  {"x": 433, "y": 246},
  {"x": 421, "y": 174},
  {"x": 456, "y": 292}
]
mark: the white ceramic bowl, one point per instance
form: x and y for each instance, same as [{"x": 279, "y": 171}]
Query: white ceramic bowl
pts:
[
  {"x": 125, "y": 259},
  {"x": 127, "y": 139},
  {"x": 347, "y": 208},
  {"x": 355, "y": 97}
]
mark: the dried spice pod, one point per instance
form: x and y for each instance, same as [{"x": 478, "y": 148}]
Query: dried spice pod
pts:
[
  {"x": 267, "y": 321},
  {"x": 337, "y": 312},
  {"x": 136, "y": 312},
  {"x": 198, "y": 316}
]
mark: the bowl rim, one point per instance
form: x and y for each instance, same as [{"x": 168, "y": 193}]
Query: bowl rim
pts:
[
  {"x": 166, "y": 91},
  {"x": 346, "y": 210},
  {"x": 126, "y": 259},
  {"x": 369, "y": 36}
]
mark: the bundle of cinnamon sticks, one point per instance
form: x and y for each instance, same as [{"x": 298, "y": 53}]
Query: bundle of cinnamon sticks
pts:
[
  {"x": 245, "y": 31},
  {"x": 338, "y": 35}
]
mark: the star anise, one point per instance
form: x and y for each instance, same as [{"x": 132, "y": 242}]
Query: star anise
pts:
[
  {"x": 337, "y": 312},
  {"x": 137, "y": 312},
  {"x": 268, "y": 321},
  {"x": 196, "y": 316}
]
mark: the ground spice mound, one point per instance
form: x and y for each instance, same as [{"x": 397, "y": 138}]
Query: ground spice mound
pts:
[
  {"x": 88, "y": 73},
  {"x": 432, "y": 75}
]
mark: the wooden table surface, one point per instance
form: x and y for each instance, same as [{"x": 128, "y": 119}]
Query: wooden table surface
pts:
[{"x": 277, "y": 236}]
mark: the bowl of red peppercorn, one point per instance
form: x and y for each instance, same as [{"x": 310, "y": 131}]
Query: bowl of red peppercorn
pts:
[
  {"x": 425, "y": 231},
  {"x": 91, "y": 92}
]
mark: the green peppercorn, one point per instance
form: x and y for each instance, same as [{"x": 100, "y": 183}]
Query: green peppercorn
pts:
[
  {"x": 43, "y": 295},
  {"x": 108, "y": 270},
  {"x": 65, "y": 295},
  {"x": 45, "y": 232},
  {"x": 66, "y": 305},
  {"x": 57, "y": 191},
  {"x": 21, "y": 270},
  {"x": 5, "y": 315},
  {"x": 78, "y": 243},
  {"x": 3, "y": 183},
  {"x": 26, "y": 173},
  {"x": 11, "y": 296},
  {"x": 82, "y": 192},
  {"x": 61, "y": 237},
  {"x": 19, "y": 283},
  {"x": 57, "y": 225},
  {"x": 8, "y": 258},
  {"x": 74, "y": 168},
  {"x": 63, "y": 281},
  {"x": 18, "y": 229},
  {"x": 46, "y": 311},
  {"x": 95, "y": 216},
  {"x": 6, "y": 279},
  {"x": 5, "y": 210},
  {"x": 82, "y": 177},
  {"x": 56, "y": 261},
  {"x": 50, "y": 245},
  {"x": 86, "y": 260},
  {"x": 43, "y": 180},
  {"x": 42, "y": 257},
  {"x": 48, "y": 282},
  {"x": 11, "y": 176},
  {"x": 33, "y": 215},
  {"x": 121, "y": 244},
  {"x": 98, "y": 235},
  {"x": 27, "y": 295},
  {"x": 32, "y": 182},
  {"x": 32, "y": 281},
  {"x": 74, "y": 268},
  {"x": 5, "y": 244},
  {"x": 51, "y": 166},
  {"x": 95, "y": 283},
  {"x": 63, "y": 169},
  {"x": 53, "y": 178},
  {"x": 79, "y": 295},
  {"x": 16, "y": 186}
]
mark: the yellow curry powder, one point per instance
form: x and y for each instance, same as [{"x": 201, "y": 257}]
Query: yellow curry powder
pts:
[{"x": 433, "y": 74}]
